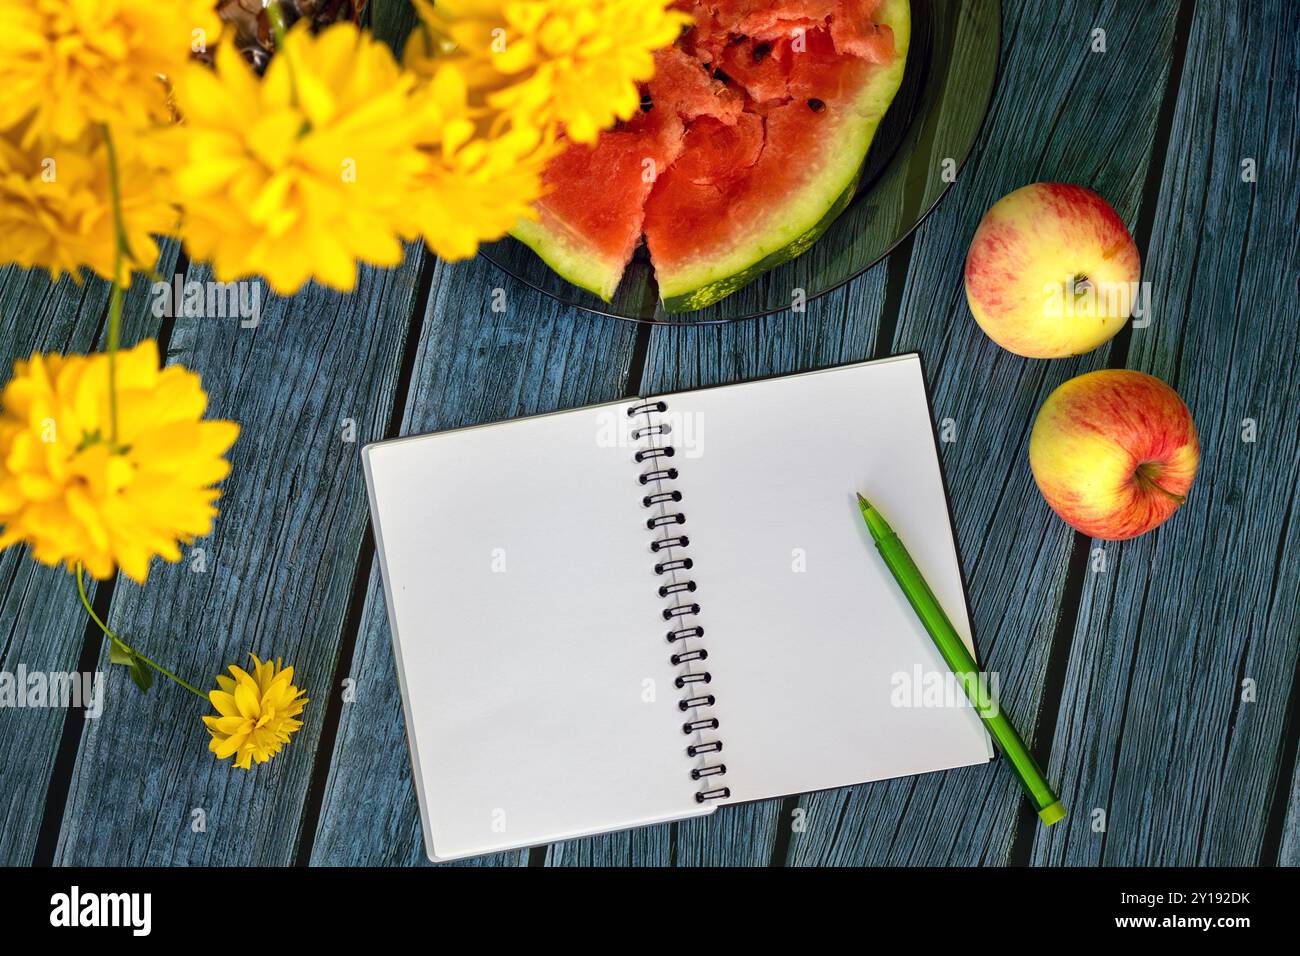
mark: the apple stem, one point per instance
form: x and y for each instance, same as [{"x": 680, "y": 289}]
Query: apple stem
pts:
[{"x": 1146, "y": 475}]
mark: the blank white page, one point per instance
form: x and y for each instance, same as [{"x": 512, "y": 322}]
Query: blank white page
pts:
[
  {"x": 806, "y": 630},
  {"x": 528, "y": 632}
]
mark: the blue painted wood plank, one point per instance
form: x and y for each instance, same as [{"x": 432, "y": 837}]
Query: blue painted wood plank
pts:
[
  {"x": 644, "y": 846},
  {"x": 743, "y": 835},
  {"x": 1061, "y": 112},
  {"x": 1179, "y": 691},
  {"x": 42, "y": 624},
  {"x": 473, "y": 365},
  {"x": 315, "y": 378}
]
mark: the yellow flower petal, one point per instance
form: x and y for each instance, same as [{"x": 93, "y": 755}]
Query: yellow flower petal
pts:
[
  {"x": 224, "y": 702},
  {"x": 571, "y": 65},
  {"x": 70, "y": 65},
  {"x": 247, "y": 700},
  {"x": 307, "y": 172}
]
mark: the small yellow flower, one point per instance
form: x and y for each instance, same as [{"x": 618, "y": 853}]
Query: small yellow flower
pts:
[
  {"x": 571, "y": 63},
  {"x": 257, "y": 712},
  {"x": 300, "y": 174},
  {"x": 479, "y": 181},
  {"x": 56, "y": 210},
  {"x": 75, "y": 492},
  {"x": 68, "y": 64}
]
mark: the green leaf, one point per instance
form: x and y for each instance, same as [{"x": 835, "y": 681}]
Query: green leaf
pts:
[
  {"x": 141, "y": 675},
  {"x": 119, "y": 653}
]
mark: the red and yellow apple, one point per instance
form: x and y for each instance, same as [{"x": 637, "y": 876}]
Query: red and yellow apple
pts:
[
  {"x": 1114, "y": 452},
  {"x": 1051, "y": 271}
]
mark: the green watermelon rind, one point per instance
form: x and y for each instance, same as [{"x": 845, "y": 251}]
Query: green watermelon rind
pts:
[
  {"x": 712, "y": 292},
  {"x": 803, "y": 218},
  {"x": 576, "y": 263}
]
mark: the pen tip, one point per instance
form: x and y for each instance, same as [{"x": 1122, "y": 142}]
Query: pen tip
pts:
[{"x": 878, "y": 525}]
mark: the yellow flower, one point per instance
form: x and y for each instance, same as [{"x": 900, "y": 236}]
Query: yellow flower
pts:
[
  {"x": 479, "y": 181},
  {"x": 75, "y": 492},
  {"x": 302, "y": 173},
  {"x": 67, "y": 64},
  {"x": 575, "y": 63},
  {"x": 257, "y": 712},
  {"x": 56, "y": 209}
]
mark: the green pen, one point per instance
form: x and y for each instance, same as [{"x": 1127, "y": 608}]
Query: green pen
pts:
[{"x": 962, "y": 664}]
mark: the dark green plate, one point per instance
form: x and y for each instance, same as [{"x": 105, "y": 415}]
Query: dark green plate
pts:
[{"x": 925, "y": 137}]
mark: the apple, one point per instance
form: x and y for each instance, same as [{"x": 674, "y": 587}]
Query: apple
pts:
[
  {"x": 1114, "y": 452},
  {"x": 1051, "y": 271}
]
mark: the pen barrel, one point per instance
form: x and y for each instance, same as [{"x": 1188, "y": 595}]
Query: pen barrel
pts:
[{"x": 963, "y": 665}]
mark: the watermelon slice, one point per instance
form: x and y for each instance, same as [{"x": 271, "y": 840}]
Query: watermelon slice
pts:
[
  {"x": 707, "y": 240},
  {"x": 755, "y": 129},
  {"x": 590, "y": 220}
]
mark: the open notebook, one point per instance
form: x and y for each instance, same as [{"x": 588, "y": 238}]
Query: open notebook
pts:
[{"x": 638, "y": 611}]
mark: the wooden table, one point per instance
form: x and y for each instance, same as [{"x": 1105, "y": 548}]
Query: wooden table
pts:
[{"x": 1156, "y": 678}]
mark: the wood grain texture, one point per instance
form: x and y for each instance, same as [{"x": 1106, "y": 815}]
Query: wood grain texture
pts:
[
  {"x": 1056, "y": 102},
  {"x": 1156, "y": 729},
  {"x": 42, "y": 624},
  {"x": 277, "y": 577},
  {"x": 473, "y": 365},
  {"x": 743, "y": 835},
  {"x": 839, "y": 327}
]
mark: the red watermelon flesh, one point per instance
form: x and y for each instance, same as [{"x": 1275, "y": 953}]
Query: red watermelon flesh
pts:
[
  {"x": 853, "y": 31},
  {"x": 682, "y": 84},
  {"x": 706, "y": 39},
  {"x": 765, "y": 20},
  {"x": 714, "y": 154},
  {"x": 689, "y": 215},
  {"x": 761, "y": 67},
  {"x": 821, "y": 73}
]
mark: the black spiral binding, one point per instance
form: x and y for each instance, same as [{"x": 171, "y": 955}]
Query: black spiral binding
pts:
[{"x": 682, "y": 611}]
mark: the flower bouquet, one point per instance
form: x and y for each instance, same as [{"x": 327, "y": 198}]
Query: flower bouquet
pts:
[{"x": 281, "y": 141}]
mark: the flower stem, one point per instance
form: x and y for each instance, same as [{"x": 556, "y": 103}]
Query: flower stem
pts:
[
  {"x": 276, "y": 16},
  {"x": 279, "y": 30},
  {"x": 81, "y": 590},
  {"x": 121, "y": 251},
  {"x": 114, "y": 338}
]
